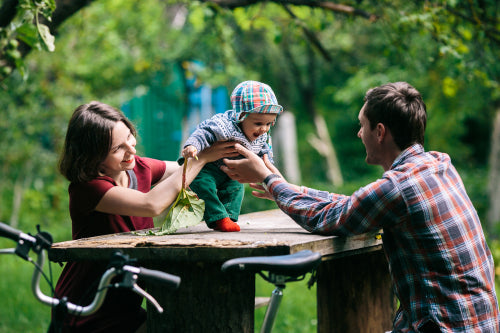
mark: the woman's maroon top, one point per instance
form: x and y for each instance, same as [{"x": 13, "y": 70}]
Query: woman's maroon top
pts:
[{"x": 121, "y": 311}]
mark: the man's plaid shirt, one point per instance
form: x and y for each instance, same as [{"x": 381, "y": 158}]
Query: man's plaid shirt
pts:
[{"x": 441, "y": 266}]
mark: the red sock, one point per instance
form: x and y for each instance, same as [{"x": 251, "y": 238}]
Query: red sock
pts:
[{"x": 227, "y": 225}]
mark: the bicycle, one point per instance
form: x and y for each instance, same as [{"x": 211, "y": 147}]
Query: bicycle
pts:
[
  {"x": 280, "y": 270},
  {"x": 120, "y": 266}
]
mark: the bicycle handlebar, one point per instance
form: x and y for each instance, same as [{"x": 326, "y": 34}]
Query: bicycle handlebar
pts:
[
  {"x": 171, "y": 281},
  {"x": 120, "y": 265},
  {"x": 14, "y": 234}
]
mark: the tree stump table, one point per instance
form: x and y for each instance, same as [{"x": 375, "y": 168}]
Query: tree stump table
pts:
[{"x": 353, "y": 292}]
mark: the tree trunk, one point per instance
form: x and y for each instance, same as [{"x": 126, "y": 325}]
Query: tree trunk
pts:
[
  {"x": 307, "y": 88},
  {"x": 194, "y": 316},
  {"x": 284, "y": 138},
  {"x": 323, "y": 144},
  {"x": 23, "y": 180},
  {"x": 358, "y": 297},
  {"x": 493, "y": 216}
]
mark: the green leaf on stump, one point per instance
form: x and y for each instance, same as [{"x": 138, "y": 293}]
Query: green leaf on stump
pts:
[{"x": 186, "y": 211}]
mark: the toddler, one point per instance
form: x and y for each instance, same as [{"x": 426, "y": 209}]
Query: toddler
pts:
[{"x": 254, "y": 111}]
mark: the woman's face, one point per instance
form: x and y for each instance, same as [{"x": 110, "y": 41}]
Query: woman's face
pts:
[{"x": 121, "y": 155}]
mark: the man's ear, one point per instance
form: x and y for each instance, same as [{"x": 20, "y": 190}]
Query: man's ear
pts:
[{"x": 381, "y": 132}]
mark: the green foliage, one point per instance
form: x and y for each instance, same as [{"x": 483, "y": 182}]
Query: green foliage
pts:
[{"x": 27, "y": 28}]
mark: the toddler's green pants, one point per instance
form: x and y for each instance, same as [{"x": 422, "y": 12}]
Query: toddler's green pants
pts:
[{"x": 222, "y": 195}]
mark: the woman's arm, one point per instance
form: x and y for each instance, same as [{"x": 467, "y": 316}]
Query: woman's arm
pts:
[
  {"x": 124, "y": 201},
  {"x": 170, "y": 168}
]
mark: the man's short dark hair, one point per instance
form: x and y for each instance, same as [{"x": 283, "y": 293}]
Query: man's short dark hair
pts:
[{"x": 400, "y": 108}]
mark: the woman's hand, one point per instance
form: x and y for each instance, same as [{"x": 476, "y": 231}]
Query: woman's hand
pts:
[{"x": 220, "y": 149}]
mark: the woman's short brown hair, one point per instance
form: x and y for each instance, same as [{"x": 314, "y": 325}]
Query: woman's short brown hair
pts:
[{"x": 88, "y": 140}]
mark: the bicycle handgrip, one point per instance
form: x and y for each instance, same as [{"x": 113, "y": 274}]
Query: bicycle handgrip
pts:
[
  {"x": 9, "y": 232},
  {"x": 171, "y": 281}
]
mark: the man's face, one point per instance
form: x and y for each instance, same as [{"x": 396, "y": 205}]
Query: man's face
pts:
[{"x": 369, "y": 138}]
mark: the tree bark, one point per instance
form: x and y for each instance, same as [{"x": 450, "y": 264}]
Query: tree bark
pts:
[
  {"x": 322, "y": 141},
  {"x": 193, "y": 316},
  {"x": 285, "y": 147},
  {"x": 8, "y": 12},
  {"x": 323, "y": 144},
  {"x": 493, "y": 216},
  {"x": 327, "y": 5},
  {"x": 363, "y": 283},
  {"x": 22, "y": 182}
]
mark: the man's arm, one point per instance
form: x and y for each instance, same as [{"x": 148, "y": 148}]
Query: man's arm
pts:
[
  {"x": 290, "y": 199},
  {"x": 317, "y": 211}
]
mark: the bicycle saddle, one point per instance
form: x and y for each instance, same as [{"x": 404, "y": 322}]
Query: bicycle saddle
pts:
[{"x": 295, "y": 264}]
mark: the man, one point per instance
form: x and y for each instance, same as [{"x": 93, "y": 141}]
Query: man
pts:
[{"x": 440, "y": 264}]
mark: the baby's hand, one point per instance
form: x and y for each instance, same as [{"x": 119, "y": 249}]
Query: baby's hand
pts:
[{"x": 190, "y": 151}]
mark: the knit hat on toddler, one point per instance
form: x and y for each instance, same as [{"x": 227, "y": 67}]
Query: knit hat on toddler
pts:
[{"x": 253, "y": 97}]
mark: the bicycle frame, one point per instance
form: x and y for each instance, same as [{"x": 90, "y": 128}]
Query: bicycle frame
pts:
[{"x": 274, "y": 303}]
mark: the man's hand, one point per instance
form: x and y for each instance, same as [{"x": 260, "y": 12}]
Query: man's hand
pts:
[
  {"x": 250, "y": 169},
  {"x": 261, "y": 192}
]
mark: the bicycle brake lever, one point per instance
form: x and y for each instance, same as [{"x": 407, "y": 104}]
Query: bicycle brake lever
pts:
[
  {"x": 130, "y": 282},
  {"x": 142, "y": 292}
]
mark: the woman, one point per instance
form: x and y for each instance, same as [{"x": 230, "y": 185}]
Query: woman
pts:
[{"x": 111, "y": 191}]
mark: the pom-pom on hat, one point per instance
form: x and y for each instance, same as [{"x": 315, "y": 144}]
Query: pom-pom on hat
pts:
[{"x": 253, "y": 97}]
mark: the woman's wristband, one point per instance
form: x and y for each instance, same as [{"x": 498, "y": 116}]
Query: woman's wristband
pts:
[{"x": 266, "y": 183}]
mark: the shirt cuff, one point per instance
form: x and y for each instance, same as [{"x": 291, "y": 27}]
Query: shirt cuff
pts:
[{"x": 269, "y": 180}]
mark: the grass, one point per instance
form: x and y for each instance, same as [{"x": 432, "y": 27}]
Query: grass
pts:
[
  {"x": 20, "y": 312},
  {"x": 297, "y": 311}
]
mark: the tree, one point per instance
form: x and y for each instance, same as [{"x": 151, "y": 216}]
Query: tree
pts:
[
  {"x": 25, "y": 14},
  {"x": 337, "y": 56},
  {"x": 28, "y": 24},
  {"x": 447, "y": 21},
  {"x": 25, "y": 24}
]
